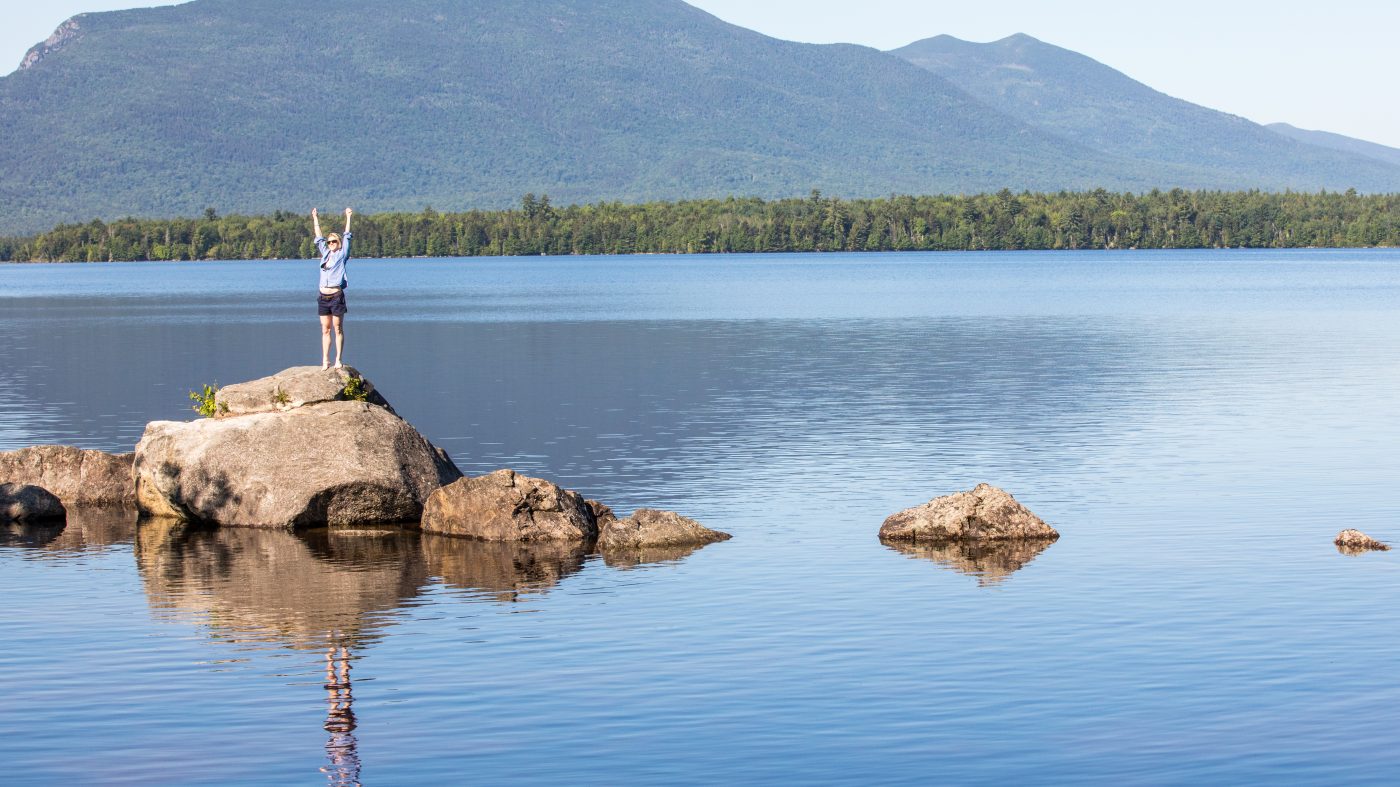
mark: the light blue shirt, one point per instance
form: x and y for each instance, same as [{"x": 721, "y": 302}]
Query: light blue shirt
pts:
[{"x": 333, "y": 262}]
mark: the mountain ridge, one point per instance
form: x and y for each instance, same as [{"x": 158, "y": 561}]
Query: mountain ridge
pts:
[
  {"x": 1074, "y": 96},
  {"x": 256, "y": 105}
]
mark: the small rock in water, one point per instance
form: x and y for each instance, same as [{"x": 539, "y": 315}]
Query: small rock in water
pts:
[
  {"x": 986, "y": 512},
  {"x": 648, "y": 527},
  {"x": 25, "y": 503},
  {"x": 1354, "y": 542},
  {"x": 507, "y": 506}
]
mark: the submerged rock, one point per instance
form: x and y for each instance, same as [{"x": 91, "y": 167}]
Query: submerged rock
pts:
[
  {"x": 991, "y": 562},
  {"x": 339, "y": 463},
  {"x": 1355, "y": 542},
  {"x": 296, "y": 387},
  {"x": 985, "y": 513},
  {"x": 648, "y": 528},
  {"x": 25, "y": 503},
  {"x": 506, "y": 506},
  {"x": 76, "y": 476}
]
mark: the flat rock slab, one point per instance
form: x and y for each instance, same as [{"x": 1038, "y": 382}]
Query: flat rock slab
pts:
[
  {"x": 337, "y": 463},
  {"x": 507, "y": 506},
  {"x": 25, "y": 503},
  {"x": 292, "y": 388},
  {"x": 986, "y": 512},
  {"x": 78, "y": 477},
  {"x": 1354, "y": 542},
  {"x": 649, "y": 528}
]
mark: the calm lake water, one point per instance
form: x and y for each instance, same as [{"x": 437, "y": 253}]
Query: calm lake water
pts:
[{"x": 1198, "y": 426}]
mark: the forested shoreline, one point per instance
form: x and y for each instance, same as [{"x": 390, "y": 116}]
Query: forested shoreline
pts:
[{"x": 1100, "y": 219}]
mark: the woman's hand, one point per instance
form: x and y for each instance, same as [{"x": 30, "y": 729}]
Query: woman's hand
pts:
[{"x": 348, "y": 211}]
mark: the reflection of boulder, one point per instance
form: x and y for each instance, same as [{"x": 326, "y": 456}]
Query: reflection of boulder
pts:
[
  {"x": 76, "y": 476},
  {"x": 631, "y": 557},
  {"x": 26, "y": 503},
  {"x": 1355, "y": 542},
  {"x": 38, "y": 535},
  {"x": 506, "y": 506},
  {"x": 92, "y": 529},
  {"x": 84, "y": 530},
  {"x": 299, "y": 591},
  {"x": 983, "y": 513},
  {"x": 989, "y": 561},
  {"x": 340, "y": 463},
  {"x": 504, "y": 569}
]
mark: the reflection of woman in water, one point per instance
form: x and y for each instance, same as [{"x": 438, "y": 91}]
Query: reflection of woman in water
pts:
[
  {"x": 343, "y": 766},
  {"x": 330, "y": 304}
]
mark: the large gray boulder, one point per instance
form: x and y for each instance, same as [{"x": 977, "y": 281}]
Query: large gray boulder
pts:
[
  {"x": 338, "y": 463},
  {"x": 507, "y": 506},
  {"x": 291, "y": 388},
  {"x": 26, "y": 503},
  {"x": 985, "y": 513},
  {"x": 78, "y": 477},
  {"x": 648, "y": 527}
]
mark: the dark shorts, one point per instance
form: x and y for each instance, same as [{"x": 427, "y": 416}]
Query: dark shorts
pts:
[{"x": 331, "y": 305}]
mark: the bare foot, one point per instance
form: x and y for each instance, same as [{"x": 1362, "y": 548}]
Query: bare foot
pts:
[
  {"x": 338, "y": 364},
  {"x": 325, "y": 365}
]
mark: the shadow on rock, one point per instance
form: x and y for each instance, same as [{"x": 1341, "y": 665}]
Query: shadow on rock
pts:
[
  {"x": 991, "y": 562},
  {"x": 505, "y": 570}
]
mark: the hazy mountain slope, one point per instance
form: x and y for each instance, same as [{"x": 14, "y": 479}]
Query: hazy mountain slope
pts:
[
  {"x": 1085, "y": 101},
  {"x": 1326, "y": 139},
  {"x": 253, "y": 104}
]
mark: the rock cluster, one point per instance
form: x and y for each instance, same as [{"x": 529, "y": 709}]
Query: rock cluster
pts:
[
  {"x": 76, "y": 476},
  {"x": 25, "y": 503},
  {"x": 505, "y": 506},
  {"x": 1354, "y": 542},
  {"x": 290, "y": 452},
  {"x": 985, "y": 513}
]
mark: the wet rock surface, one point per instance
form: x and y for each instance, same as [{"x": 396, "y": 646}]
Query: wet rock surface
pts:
[
  {"x": 507, "y": 506},
  {"x": 77, "y": 476},
  {"x": 1355, "y": 542},
  {"x": 336, "y": 462},
  {"x": 985, "y": 513},
  {"x": 25, "y": 503}
]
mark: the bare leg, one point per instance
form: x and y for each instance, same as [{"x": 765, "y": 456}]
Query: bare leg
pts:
[
  {"x": 326, "y": 341},
  {"x": 339, "y": 339}
]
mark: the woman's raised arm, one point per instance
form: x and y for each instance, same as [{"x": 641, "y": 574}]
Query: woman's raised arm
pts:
[
  {"x": 315, "y": 223},
  {"x": 347, "y": 220}
]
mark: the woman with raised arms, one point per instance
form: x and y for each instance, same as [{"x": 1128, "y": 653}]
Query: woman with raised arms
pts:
[{"x": 330, "y": 304}]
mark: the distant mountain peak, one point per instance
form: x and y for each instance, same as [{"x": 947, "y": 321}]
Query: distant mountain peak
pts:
[{"x": 66, "y": 33}]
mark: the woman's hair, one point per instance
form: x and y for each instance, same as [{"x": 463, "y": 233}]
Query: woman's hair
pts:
[{"x": 334, "y": 237}]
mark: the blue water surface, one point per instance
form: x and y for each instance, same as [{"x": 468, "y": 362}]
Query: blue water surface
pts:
[{"x": 1197, "y": 425}]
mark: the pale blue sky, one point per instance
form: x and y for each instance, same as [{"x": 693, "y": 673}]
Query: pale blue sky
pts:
[{"x": 1322, "y": 65}]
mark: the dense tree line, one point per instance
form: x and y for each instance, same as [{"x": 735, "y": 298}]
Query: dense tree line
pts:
[{"x": 1081, "y": 220}]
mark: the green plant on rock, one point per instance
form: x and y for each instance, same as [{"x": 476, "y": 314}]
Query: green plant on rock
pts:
[
  {"x": 280, "y": 397},
  {"x": 205, "y": 402},
  {"x": 355, "y": 390}
]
